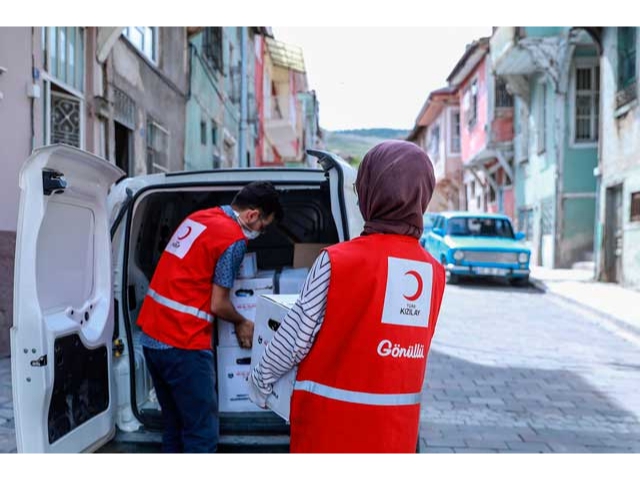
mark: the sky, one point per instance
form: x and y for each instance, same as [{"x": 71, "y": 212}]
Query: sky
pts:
[{"x": 377, "y": 77}]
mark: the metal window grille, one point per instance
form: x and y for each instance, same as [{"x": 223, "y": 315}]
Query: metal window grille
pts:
[
  {"x": 65, "y": 119},
  {"x": 125, "y": 109},
  {"x": 587, "y": 88},
  {"x": 212, "y": 47},
  {"x": 546, "y": 209},
  {"x": 503, "y": 98}
]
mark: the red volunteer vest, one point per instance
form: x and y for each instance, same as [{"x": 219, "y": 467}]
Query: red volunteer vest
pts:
[
  {"x": 359, "y": 388},
  {"x": 177, "y": 308}
]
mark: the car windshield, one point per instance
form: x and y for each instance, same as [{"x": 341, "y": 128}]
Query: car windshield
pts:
[
  {"x": 428, "y": 220},
  {"x": 480, "y": 227}
]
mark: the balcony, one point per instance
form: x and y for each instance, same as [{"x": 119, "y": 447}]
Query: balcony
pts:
[
  {"x": 280, "y": 124},
  {"x": 523, "y": 51}
]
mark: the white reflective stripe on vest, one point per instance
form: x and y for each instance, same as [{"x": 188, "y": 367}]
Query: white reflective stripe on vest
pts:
[
  {"x": 383, "y": 399},
  {"x": 179, "y": 307}
]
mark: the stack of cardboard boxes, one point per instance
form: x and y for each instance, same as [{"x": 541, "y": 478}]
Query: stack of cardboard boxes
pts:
[{"x": 281, "y": 288}]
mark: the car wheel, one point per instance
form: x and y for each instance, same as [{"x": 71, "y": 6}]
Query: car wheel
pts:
[{"x": 520, "y": 282}]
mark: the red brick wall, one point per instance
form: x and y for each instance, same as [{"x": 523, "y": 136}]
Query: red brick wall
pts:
[{"x": 7, "y": 251}]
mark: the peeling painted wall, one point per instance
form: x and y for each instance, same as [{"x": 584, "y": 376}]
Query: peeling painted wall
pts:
[
  {"x": 621, "y": 155},
  {"x": 158, "y": 91}
]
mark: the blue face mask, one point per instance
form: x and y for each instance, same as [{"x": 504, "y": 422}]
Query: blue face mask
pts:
[{"x": 248, "y": 233}]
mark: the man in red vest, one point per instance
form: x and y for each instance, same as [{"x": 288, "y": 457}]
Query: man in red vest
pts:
[
  {"x": 362, "y": 327},
  {"x": 190, "y": 285}
]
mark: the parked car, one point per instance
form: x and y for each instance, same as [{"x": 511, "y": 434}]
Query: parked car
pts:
[
  {"x": 479, "y": 245},
  {"x": 428, "y": 220},
  {"x": 88, "y": 242}
]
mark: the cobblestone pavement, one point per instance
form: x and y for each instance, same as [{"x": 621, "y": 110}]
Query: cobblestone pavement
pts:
[
  {"x": 516, "y": 370},
  {"x": 7, "y": 433},
  {"x": 510, "y": 370}
]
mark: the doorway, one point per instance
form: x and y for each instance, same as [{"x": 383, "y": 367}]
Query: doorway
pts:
[
  {"x": 123, "y": 147},
  {"x": 613, "y": 235}
]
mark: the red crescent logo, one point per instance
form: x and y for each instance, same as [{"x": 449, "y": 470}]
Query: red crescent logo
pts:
[
  {"x": 182, "y": 237},
  {"x": 418, "y": 293}
]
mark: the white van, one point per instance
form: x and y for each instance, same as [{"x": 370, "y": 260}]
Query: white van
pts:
[{"x": 88, "y": 241}]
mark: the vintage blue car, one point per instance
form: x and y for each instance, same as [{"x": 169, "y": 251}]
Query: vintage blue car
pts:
[
  {"x": 428, "y": 220},
  {"x": 478, "y": 245}
]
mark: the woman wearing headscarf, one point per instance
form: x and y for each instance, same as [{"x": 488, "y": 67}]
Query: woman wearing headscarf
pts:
[{"x": 362, "y": 326}]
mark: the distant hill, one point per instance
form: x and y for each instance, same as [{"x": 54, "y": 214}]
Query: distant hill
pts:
[{"x": 353, "y": 144}]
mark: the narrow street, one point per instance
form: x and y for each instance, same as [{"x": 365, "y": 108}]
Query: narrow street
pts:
[
  {"x": 516, "y": 370},
  {"x": 510, "y": 370}
]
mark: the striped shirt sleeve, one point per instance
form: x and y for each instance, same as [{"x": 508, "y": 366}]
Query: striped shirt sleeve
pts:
[{"x": 293, "y": 340}]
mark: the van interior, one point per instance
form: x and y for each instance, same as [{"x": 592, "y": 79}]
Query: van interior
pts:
[{"x": 155, "y": 214}]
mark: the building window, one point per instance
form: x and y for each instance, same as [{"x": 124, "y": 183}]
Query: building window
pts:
[
  {"x": 503, "y": 98},
  {"x": 626, "y": 65},
  {"x": 157, "y": 147},
  {"x": 214, "y": 133},
  {"x": 587, "y": 104},
  {"x": 144, "y": 39},
  {"x": 66, "y": 119},
  {"x": 212, "y": 47},
  {"x": 470, "y": 103},
  {"x": 541, "y": 117},
  {"x": 64, "y": 56},
  {"x": 434, "y": 141},
  {"x": 455, "y": 132},
  {"x": 203, "y": 132},
  {"x": 635, "y": 207}
]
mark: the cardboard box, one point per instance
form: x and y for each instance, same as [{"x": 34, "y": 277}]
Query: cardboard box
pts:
[
  {"x": 244, "y": 297},
  {"x": 270, "y": 313},
  {"x": 233, "y": 374},
  {"x": 249, "y": 266},
  {"x": 304, "y": 254}
]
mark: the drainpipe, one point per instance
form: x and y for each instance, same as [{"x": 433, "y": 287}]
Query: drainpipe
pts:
[
  {"x": 597, "y": 235},
  {"x": 242, "y": 162}
]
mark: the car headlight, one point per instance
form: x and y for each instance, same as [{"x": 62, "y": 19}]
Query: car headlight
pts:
[
  {"x": 523, "y": 257},
  {"x": 458, "y": 255}
]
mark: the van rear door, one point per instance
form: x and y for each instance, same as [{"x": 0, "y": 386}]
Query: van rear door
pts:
[
  {"x": 344, "y": 200},
  {"x": 61, "y": 339}
]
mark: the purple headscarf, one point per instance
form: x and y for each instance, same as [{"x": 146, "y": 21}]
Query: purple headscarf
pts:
[{"x": 395, "y": 183}]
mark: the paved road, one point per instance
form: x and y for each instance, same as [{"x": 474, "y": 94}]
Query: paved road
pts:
[
  {"x": 515, "y": 370},
  {"x": 510, "y": 370}
]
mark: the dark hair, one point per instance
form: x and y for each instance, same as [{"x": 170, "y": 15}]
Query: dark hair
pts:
[{"x": 260, "y": 195}]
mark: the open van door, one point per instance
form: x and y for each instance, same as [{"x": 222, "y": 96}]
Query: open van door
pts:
[
  {"x": 61, "y": 339},
  {"x": 344, "y": 200}
]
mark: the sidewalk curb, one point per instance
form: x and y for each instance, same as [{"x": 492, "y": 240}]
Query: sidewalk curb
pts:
[{"x": 623, "y": 325}]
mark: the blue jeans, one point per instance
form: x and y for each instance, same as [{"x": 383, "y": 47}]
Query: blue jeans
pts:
[{"x": 185, "y": 383}]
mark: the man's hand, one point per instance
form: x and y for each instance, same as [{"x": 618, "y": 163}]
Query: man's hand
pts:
[
  {"x": 222, "y": 307},
  {"x": 244, "y": 332}
]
